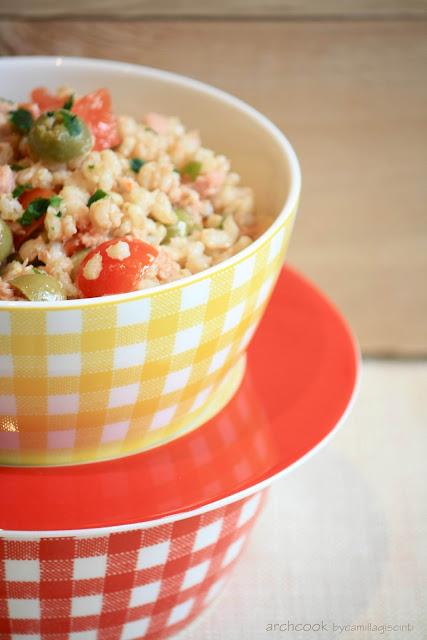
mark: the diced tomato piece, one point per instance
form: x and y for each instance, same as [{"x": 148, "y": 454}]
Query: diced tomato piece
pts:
[
  {"x": 45, "y": 100},
  {"x": 28, "y": 196},
  {"x": 95, "y": 110},
  {"x": 25, "y": 199},
  {"x": 116, "y": 274}
]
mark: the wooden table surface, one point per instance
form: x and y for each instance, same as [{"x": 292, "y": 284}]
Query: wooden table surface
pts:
[{"x": 349, "y": 91}]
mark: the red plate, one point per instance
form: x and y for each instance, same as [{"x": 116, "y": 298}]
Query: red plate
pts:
[{"x": 301, "y": 375}]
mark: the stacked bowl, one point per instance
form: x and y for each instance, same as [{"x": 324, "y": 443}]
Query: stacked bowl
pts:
[{"x": 144, "y": 384}]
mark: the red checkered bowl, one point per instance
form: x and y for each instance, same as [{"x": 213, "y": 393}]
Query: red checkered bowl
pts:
[
  {"x": 121, "y": 583},
  {"x": 149, "y": 579}
]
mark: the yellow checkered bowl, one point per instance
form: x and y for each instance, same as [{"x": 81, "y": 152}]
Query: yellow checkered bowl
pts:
[{"x": 91, "y": 379}]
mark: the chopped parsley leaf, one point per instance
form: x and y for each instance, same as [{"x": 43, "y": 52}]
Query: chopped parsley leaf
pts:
[
  {"x": 192, "y": 169},
  {"x": 21, "y": 120},
  {"x": 16, "y": 167},
  {"x": 71, "y": 122},
  {"x": 91, "y": 166},
  {"x": 136, "y": 164},
  {"x": 59, "y": 214},
  {"x": 55, "y": 201},
  {"x": 151, "y": 130},
  {"x": 98, "y": 195},
  {"x": 19, "y": 190},
  {"x": 35, "y": 210},
  {"x": 68, "y": 104}
]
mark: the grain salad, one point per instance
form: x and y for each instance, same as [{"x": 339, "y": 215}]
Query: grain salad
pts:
[{"x": 93, "y": 203}]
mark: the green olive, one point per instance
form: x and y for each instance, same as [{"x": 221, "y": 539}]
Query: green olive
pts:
[
  {"x": 182, "y": 228},
  {"x": 77, "y": 259},
  {"x": 6, "y": 240},
  {"x": 59, "y": 136},
  {"x": 39, "y": 287}
]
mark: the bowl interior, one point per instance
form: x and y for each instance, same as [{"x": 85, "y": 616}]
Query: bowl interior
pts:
[{"x": 226, "y": 125}]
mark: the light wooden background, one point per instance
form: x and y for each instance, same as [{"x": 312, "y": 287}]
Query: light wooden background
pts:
[{"x": 348, "y": 86}]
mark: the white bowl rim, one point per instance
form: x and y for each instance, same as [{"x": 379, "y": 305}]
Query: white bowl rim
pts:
[
  {"x": 289, "y": 206},
  {"x": 211, "y": 506}
]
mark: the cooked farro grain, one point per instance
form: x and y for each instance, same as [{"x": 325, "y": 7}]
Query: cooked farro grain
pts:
[{"x": 146, "y": 187}]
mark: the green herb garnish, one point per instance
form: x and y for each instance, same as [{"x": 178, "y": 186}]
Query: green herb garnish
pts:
[
  {"x": 98, "y": 195},
  {"x": 68, "y": 104},
  {"x": 19, "y": 190},
  {"x": 21, "y": 120},
  {"x": 55, "y": 201},
  {"x": 136, "y": 164},
  {"x": 59, "y": 214},
  {"x": 192, "y": 169},
  {"x": 35, "y": 210},
  {"x": 71, "y": 122},
  {"x": 152, "y": 130},
  {"x": 16, "y": 167}
]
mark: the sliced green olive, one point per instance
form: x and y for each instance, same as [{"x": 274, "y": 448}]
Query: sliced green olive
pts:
[
  {"x": 182, "y": 228},
  {"x": 59, "y": 136},
  {"x": 39, "y": 287},
  {"x": 6, "y": 240},
  {"x": 77, "y": 259}
]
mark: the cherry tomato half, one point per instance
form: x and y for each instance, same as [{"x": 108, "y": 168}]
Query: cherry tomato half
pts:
[
  {"x": 94, "y": 108},
  {"x": 114, "y": 268}
]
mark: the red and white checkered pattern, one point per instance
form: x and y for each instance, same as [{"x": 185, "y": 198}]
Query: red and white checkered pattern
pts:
[{"x": 143, "y": 583}]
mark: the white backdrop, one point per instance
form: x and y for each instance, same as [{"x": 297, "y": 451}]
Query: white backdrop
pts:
[{"x": 343, "y": 538}]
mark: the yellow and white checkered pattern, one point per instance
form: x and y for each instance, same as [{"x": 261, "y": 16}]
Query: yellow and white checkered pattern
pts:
[{"x": 107, "y": 379}]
